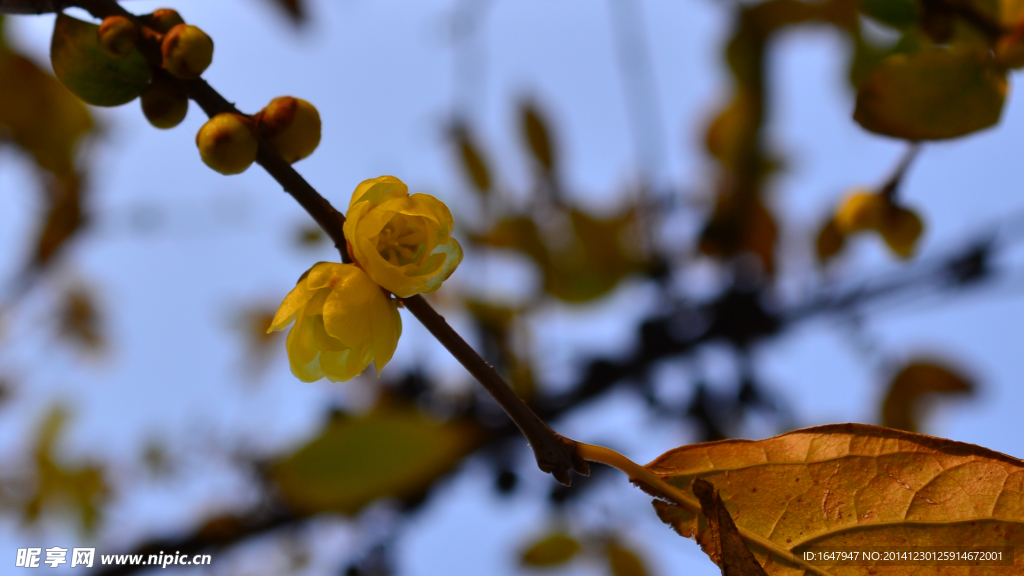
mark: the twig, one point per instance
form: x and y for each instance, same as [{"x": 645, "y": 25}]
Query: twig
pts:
[{"x": 555, "y": 454}]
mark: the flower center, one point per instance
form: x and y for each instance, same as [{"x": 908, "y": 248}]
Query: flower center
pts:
[{"x": 402, "y": 241}]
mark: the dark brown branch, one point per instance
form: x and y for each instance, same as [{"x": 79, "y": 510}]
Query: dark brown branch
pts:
[{"x": 555, "y": 453}]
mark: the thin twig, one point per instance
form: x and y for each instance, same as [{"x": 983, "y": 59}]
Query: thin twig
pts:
[{"x": 555, "y": 453}]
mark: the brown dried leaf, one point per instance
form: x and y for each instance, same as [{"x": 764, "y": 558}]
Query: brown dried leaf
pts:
[
  {"x": 471, "y": 159},
  {"x": 728, "y": 549},
  {"x": 850, "y": 485},
  {"x": 916, "y": 380},
  {"x": 538, "y": 137}
]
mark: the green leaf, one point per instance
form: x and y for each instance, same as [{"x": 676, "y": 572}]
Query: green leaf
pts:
[
  {"x": 88, "y": 71},
  {"x": 932, "y": 95},
  {"x": 394, "y": 451}
]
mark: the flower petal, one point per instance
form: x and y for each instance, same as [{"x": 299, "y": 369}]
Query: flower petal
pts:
[
  {"x": 321, "y": 274},
  {"x": 301, "y": 343},
  {"x": 387, "y": 328},
  {"x": 343, "y": 365},
  {"x": 291, "y": 306},
  {"x": 350, "y": 310},
  {"x": 377, "y": 190},
  {"x": 453, "y": 256}
]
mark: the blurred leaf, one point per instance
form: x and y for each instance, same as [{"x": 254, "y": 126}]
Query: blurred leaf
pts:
[
  {"x": 538, "y": 137},
  {"x": 88, "y": 71},
  {"x": 310, "y": 235},
  {"x": 296, "y": 9},
  {"x": 740, "y": 226},
  {"x": 595, "y": 256},
  {"x": 63, "y": 218},
  {"x": 932, "y": 95},
  {"x": 733, "y": 130},
  {"x": 39, "y": 114},
  {"x": 81, "y": 488},
  {"x": 498, "y": 321},
  {"x": 472, "y": 161},
  {"x": 896, "y": 13},
  {"x": 902, "y": 406},
  {"x": 393, "y": 451},
  {"x": 847, "y": 485},
  {"x": 829, "y": 242},
  {"x": 551, "y": 550},
  {"x": 154, "y": 456},
  {"x": 252, "y": 323},
  {"x": 723, "y": 544},
  {"x": 6, "y": 390},
  {"x": 79, "y": 320},
  {"x": 624, "y": 562}
]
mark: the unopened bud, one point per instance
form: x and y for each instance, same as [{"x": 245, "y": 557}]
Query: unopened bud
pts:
[
  {"x": 164, "y": 104},
  {"x": 163, "y": 20},
  {"x": 291, "y": 126},
  {"x": 118, "y": 36},
  {"x": 227, "y": 143},
  {"x": 187, "y": 51}
]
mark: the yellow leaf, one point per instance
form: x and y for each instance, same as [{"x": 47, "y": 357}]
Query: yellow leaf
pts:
[
  {"x": 98, "y": 78},
  {"x": 916, "y": 380},
  {"x": 849, "y": 485},
  {"x": 624, "y": 562},
  {"x": 551, "y": 550},
  {"x": 81, "y": 488},
  {"x": 39, "y": 114},
  {"x": 935, "y": 94},
  {"x": 587, "y": 265},
  {"x": 393, "y": 451}
]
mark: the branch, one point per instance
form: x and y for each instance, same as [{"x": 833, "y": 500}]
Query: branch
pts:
[
  {"x": 555, "y": 453},
  {"x": 29, "y": 6}
]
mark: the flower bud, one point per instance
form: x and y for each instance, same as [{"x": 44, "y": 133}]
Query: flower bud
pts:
[
  {"x": 861, "y": 211},
  {"x": 187, "y": 51},
  {"x": 163, "y": 20},
  {"x": 164, "y": 104},
  {"x": 118, "y": 36},
  {"x": 291, "y": 126},
  {"x": 1009, "y": 51},
  {"x": 227, "y": 143},
  {"x": 900, "y": 230}
]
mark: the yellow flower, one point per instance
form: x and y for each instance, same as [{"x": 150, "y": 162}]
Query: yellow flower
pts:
[
  {"x": 343, "y": 321},
  {"x": 403, "y": 242}
]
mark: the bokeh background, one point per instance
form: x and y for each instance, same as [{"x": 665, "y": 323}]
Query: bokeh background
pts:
[{"x": 174, "y": 408}]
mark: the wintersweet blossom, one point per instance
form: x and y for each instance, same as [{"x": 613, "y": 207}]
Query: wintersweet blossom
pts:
[
  {"x": 343, "y": 321},
  {"x": 403, "y": 242}
]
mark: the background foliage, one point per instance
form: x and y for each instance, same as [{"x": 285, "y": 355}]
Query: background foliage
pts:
[{"x": 640, "y": 188}]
